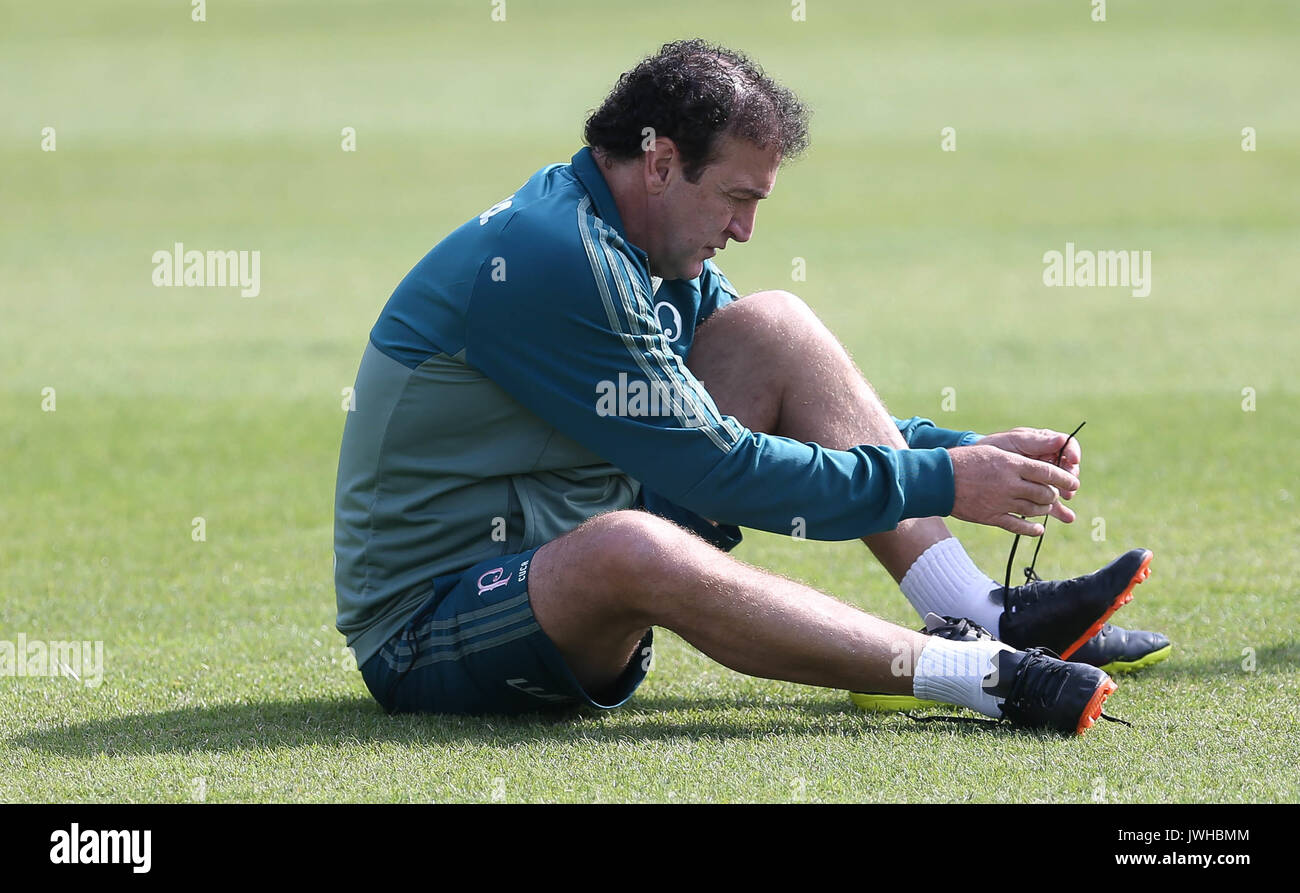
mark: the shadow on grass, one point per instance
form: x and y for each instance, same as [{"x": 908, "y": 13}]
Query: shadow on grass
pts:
[
  {"x": 359, "y": 721},
  {"x": 1266, "y": 661},
  {"x": 648, "y": 717}
]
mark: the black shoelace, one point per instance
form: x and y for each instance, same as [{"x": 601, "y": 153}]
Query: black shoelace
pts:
[
  {"x": 988, "y": 721},
  {"x": 959, "y": 629},
  {"x": 1031, "y": 575},
  {"x": 1022, "y": 693}
]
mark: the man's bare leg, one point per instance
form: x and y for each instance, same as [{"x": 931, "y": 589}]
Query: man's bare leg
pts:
[
  {"x": 597, "y": 589},
  {"x": 770, "y": 362}
]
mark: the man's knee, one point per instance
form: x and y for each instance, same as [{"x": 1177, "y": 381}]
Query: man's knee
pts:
[
  {"x": 635, "y": 546},
  {"x": 770, "y": 312},
  {"x": 760, "y": 338},
  {"x": 620, "y": 571},
  {"x": 748, "y": 352},
  {"x": 776, "y": 300}
]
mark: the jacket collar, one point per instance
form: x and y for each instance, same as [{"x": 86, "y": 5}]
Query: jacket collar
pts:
[{"x": 589, "y": 175}]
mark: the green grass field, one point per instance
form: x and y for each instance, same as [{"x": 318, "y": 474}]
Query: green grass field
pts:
[{"x": 224, "y": 679}]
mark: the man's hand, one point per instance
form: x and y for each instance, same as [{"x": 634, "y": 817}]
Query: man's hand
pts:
[
  {"x": 994, "y": 485},
  {"x": 1040, "y": 444}
]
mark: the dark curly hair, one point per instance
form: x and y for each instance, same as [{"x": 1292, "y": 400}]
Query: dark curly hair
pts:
[{"x": 693, "y": 92}]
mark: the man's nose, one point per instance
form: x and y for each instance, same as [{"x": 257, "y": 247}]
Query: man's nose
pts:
[{"x": 742, "y": 225}]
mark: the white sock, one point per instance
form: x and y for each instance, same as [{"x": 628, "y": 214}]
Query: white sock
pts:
[
  {"x": 945, "y": 581},
  {"x": 954, "y": 672}
]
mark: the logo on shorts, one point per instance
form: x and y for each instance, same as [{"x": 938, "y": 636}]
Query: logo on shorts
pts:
[
  {"x": 536, "y": 691},
  {"x": 523, "y": 572},
  {"x": 498, "y": 576}
]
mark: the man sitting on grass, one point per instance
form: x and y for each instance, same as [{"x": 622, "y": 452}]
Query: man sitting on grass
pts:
[{"x": 536, "y": 474}]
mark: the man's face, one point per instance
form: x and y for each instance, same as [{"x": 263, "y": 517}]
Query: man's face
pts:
[{"x": 693, "y": 221}]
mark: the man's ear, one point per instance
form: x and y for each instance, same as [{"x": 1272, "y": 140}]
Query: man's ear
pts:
[{"x": 659, "y": 162}]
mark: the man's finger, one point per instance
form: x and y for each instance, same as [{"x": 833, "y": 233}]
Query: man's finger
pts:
[
  {"x": 1063, "y": 513},
  {"x": 1039, "y": 494},
  {"x": 1072, "y": 456},
  {"x": 1046, "y": 439},
  {"x": 1018, "y": 525},
  {"x": 1030, "y": 509},
  {"x": 1043, "y": 473}
]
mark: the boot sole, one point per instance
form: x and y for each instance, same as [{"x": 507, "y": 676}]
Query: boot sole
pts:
[
  {"x": 1146, "y": 660},
  {"x": 880, "y": 703},
  {"x": 1093, "y": 711},
  {"x": 1143, "y": 571}
]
